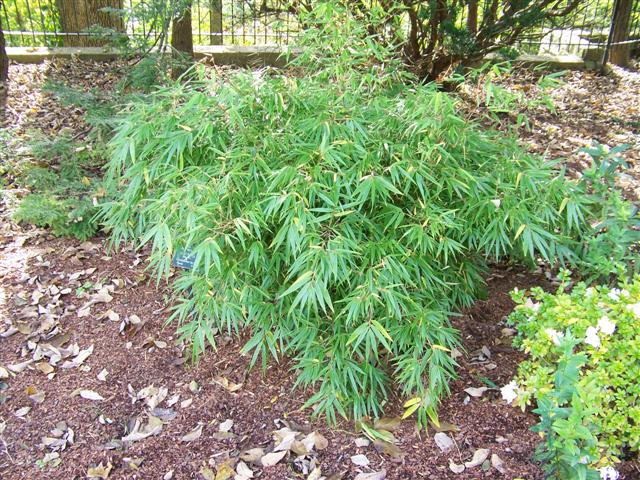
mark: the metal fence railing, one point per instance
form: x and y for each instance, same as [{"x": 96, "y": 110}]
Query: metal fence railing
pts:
[
  {"x": 262, "y": 22},
  {"x": 587, "y": 27},
  {"x": 215, "y": 22}
]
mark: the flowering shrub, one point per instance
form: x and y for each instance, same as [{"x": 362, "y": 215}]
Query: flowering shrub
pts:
[
  {"x": 606, "y": 323},
  {"x": 569, "y": 445}
]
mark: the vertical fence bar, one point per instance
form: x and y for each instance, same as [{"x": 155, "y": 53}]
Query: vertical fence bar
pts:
[
  {"x": 8, "y": 24},
  {"x": 255, "y": 24},
  {"x": 33, "y": 32},
  {"x": 42, "y": 26}
]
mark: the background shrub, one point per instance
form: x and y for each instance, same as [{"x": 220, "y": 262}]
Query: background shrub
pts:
[
  {"x": 606, "y": 323},
  {"x": 63, "y": 188}
]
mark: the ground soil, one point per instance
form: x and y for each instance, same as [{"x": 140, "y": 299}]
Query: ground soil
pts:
[{"x": 34, "y": 265}]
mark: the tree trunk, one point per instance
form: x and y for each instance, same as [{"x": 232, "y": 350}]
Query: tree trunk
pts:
[
  {"x": 472, "y": 18},
  {"x": 4, "y": 60},
  {"x": 78, "y": 16},
  {"x": 619, "y": 54},
  {"x": 4, "y": 73},
  {"x": 181, "y": 43},
  {"x": 215, "y": 21}
]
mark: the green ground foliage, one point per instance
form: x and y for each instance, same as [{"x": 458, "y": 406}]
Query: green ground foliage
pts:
[{"x": 63, "y": 188}]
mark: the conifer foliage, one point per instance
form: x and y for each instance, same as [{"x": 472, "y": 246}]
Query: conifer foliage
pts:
[{"x": 338, "y": 212}]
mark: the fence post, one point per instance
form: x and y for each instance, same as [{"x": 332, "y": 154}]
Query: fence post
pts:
[
  {"x": 215, "y": 22},
  {"x": 617, "y": 51}
]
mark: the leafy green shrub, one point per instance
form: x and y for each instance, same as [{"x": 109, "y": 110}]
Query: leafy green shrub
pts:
[
  {"x": 337, "y": 213},
  {"x": 62, "y": 194},
  {"x": 569, "y": 443},
  {"x": 609, "y": 250},
  {"x": 606, "y": 322},
  {"x": 67, "y": 218}
]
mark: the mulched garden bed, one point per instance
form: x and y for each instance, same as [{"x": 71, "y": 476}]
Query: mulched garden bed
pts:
[{"x": 102, "y": 313}]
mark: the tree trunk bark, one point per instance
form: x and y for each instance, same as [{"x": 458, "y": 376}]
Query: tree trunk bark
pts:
[
  {"x": 472, "y": 18},
  {"x": 78, "y": 16},
  {"x": 4, "y": 73},
  {"x": 619, "y": 54},
  {"x": 215, "y": 21},
  {"x": 4, "y": 60},
  {"x": 181, "y": 43}
]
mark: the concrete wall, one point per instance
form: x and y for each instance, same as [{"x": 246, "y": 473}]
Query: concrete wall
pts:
[
  {"x": 240, "y": 56},
  {"x": 221, "y": 55}
]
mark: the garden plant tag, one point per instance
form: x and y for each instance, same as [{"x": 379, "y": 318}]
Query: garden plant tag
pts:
[{"x": 184, "y": 258}]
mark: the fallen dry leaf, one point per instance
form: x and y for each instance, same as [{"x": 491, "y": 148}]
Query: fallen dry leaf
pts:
[
  {"x": 497, "y": 463},
  {"x": 228, "y": 385},
  {"x": 99, "y": 471},
  {"x": 226, "y": 425},
  {"x": 479, "y": 456},
  {"x": 243, "y": 470},
  {"x": 360, "y": 460},
  {"x": 455, "y": 468},
  {"x": 91, "y": 395},
  {"x": 224, "y": 472},
  {"x": 388, "y": 448},
  {"x": 253, "y": 455},
  {"x": 271, "y": 459},
  {"x": 362, "y": 442},
  {"x": 193, "y": 434},
  {"x": 476, "y": 392},
  {"x": 443, "y": 441},
  {"x": 45, "y": 367},
  {"x": 21, "y": 412},
  {"x": 381, "y": 475},
  {"x": 387, "y": 423},
  {"x": 19, "y": 367}
]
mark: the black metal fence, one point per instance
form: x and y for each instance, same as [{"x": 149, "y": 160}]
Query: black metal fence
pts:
[
  {"x": 215, "y": 22},
  {"x": 260, "y": 22}
]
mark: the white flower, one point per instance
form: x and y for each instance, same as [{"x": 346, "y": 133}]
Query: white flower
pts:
[
  {"x": 614, "y": 294},
  {"x": 588, "y": 292},
  {"x": 624, "y": 292},
  {"x": 554, "y": 335},
  {"x": 592, "y": 337},
  {"x": 510, "y": 391},
  {"x": 635, "y": 308},
  {"x": 606, "y": 326},
  {"x": 532, "y": 305},
  {"x": 609, "y": 473}
]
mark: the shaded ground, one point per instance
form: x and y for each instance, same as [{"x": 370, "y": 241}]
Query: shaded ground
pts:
[{"x": 40, "y": 317}]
